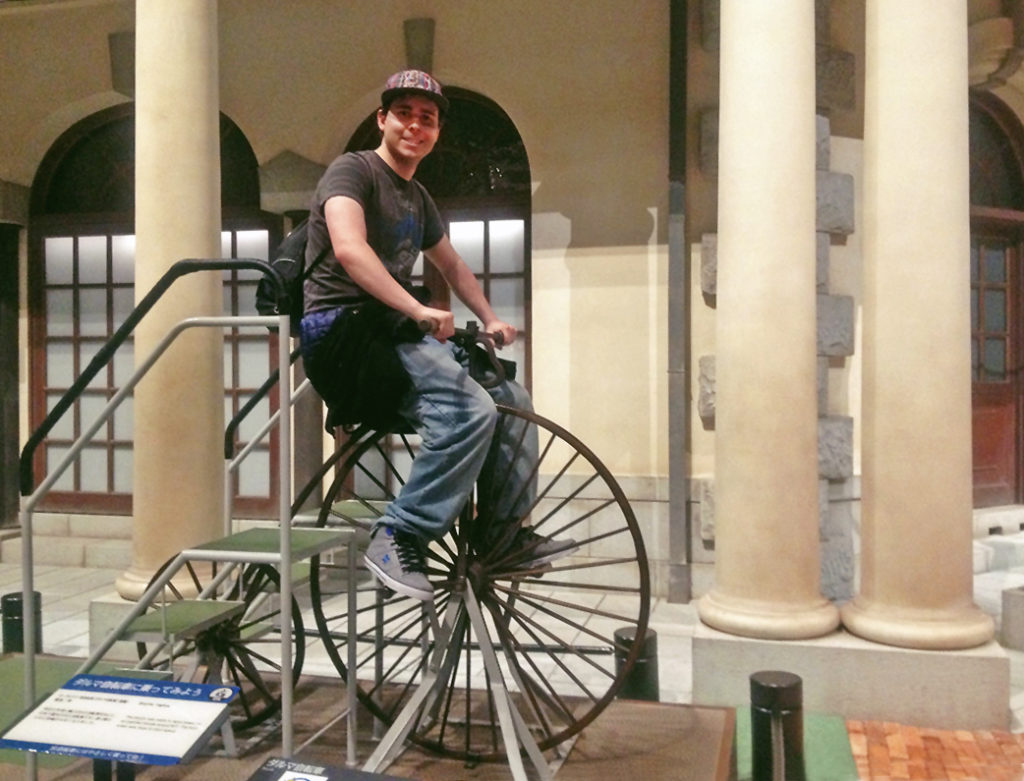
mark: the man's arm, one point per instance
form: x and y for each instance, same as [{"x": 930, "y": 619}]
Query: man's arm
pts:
[
  {"x": 346, "y": 223},
  {"x": 462, "y": 281}
]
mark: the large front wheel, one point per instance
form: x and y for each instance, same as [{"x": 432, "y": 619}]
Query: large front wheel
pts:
[{"x": 554, "y": 625}]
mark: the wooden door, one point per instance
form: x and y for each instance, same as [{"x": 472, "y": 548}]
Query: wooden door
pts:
[{"x": 995, "y": 367}]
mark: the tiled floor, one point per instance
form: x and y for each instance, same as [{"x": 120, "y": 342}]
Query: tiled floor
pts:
[
  {"x": 882, "y": 751},
  {"x": 899, "y": 753}
]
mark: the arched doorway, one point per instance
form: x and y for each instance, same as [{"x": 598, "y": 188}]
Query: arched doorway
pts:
[
  {"x": 997, "y": 317},
  {"x": 479, "y": 175},
  {"x": 81, "y": 269}
]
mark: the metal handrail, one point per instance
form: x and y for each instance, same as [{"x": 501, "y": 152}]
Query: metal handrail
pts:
[
  {"x": 234, "y": 463},
  {"x": 250, "y": 405},
  {"x": 99, "y": 361},
  {"x": 120, "y": 336}
]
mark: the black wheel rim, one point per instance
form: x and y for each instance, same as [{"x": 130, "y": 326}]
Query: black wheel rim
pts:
[{"x": 552, "y": 626}]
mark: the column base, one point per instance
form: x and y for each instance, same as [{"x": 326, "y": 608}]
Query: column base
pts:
[
  {"x": 858, "y": 679},
  {"x": 767, "y": 620},
  {"x": 933, "y": 630},
  {"x": 132, "y": 583}
]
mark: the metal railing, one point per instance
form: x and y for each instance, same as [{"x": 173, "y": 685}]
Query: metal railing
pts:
[{"x": 99, "y": 361}]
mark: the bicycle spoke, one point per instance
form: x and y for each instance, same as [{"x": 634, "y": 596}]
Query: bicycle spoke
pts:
[{"x": 546, "y": 622}]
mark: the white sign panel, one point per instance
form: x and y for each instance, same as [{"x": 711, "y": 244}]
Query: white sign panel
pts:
[{"x": 123, "y": 719}]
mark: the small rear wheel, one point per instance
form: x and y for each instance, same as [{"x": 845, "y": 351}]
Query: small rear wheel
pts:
[{"x": 242, "y": 650}]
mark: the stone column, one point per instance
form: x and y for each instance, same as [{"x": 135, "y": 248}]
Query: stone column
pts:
[
  {"x": 766, "y": 467},
  {"x": 916, "y": 561},
  {"x": 179, "y": 417}
]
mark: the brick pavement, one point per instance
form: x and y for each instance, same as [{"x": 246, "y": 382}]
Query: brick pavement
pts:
[{"x": 885, "y": 751}]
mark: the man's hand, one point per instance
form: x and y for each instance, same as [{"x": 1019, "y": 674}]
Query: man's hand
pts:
[
  {"x": 442, "y": 322},
  {"x": 504, "y": 334}
]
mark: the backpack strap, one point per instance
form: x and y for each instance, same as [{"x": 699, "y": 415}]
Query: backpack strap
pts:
[{"x": 309, "y": 269}]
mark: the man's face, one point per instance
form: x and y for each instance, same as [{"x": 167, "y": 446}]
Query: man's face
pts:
[{"x": 410, "y": 127}]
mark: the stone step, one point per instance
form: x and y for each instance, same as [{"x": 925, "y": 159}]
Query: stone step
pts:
[
  {"x": 983, "y": 555},
  {"x": 1006, "y": 519},
  {"x": 1007, "y": 551},
  {"x": 70, "y": 540},
  {"x": 71, "y": 552}
]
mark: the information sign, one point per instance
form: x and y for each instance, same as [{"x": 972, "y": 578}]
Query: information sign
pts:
[
  {"x": 146, "y": 722},
  {"x": 278, "y": 769}
]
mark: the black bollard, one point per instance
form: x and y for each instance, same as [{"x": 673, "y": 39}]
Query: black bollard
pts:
[
  {"x": 641, "y": 683},
  {"x": 13, "y": 622},
  {"x": 777, "y": 726}
]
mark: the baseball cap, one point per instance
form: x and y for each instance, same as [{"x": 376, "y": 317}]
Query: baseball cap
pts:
[{"x": 416, "y": 82}]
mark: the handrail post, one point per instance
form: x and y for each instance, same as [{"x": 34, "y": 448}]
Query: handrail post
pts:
[
  {"x": 98, "y": 362},
  {"x": 285, "y": 490}
]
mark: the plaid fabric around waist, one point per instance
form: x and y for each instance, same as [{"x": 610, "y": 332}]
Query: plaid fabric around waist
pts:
[{"x": 314, "y": 327}]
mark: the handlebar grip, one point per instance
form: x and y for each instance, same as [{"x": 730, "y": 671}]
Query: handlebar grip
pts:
[{"x": 488, "y": 341}]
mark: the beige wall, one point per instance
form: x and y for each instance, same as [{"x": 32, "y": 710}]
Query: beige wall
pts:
[
  {"x": 56, "y": 71},
  {"x": 586, "y": 83}
]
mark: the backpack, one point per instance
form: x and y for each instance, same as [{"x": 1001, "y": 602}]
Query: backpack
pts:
[{"x": 289, "y": 260}]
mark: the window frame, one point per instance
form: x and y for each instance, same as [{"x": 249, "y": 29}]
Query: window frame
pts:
[{"x": 237, "y": 291}]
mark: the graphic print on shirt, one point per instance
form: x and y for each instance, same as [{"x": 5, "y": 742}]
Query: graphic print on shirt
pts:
[{"x": 408, "y": 239}]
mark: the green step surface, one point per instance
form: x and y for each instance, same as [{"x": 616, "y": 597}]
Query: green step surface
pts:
[
  {"x": 181, "y": 619},
  {"x": 827, "y": 753},
  {"x": 359, "y": 511},
  {"x": 304, "y": 542}
]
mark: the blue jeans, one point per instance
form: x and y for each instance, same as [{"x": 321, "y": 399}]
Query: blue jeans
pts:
[{"x": 456, "y": 420}]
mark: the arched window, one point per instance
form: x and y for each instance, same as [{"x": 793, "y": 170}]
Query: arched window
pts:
[
  {"x": 479, "y": 175},
  {"x": 996, "y": 179},
  {"x": 81, "y": 287}
]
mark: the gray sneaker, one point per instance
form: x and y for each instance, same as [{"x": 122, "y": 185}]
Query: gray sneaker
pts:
[
  {"x": 530, "y": 549},
  {"x": 396, "y": 558}
]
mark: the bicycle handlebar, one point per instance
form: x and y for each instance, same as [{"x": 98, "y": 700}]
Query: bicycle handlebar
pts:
[{"x": 470, "y": 335}]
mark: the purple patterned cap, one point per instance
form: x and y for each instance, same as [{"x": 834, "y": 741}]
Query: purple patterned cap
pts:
[{"x": 416, "y": 82}]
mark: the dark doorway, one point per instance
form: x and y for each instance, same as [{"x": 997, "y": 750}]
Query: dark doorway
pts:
[{"x": 997, "y": 325}]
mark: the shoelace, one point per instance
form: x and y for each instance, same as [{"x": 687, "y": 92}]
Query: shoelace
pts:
[{"x": 410, "y": 552}]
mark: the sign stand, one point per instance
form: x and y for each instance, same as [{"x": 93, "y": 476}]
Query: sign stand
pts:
[
  {"x": 121, "y": 722},
  {"x": 106, "y": 770}
]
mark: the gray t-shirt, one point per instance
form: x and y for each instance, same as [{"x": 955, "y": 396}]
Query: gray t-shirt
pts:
[{"x": 401, "y": 220}]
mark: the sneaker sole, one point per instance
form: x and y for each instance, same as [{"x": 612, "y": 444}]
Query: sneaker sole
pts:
[
  {"x": 536, "y": 562},
  {"x": 396, "y": 585}
]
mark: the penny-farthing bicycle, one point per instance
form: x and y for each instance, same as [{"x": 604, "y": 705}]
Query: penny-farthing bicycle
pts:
[{"x": 553, "y": 626}]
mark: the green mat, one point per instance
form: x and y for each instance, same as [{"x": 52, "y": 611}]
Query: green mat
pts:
[
  {"x": 51, "y": 674},
  {"x": 827, "y": 754}
]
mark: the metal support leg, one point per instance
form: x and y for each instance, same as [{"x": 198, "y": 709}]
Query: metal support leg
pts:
[
  {"x": 351, "y": 758},
  {"x": 441, "y": 662},
  {"x": 378, "y": 651},
  {"x": 515, "y": 732}
]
